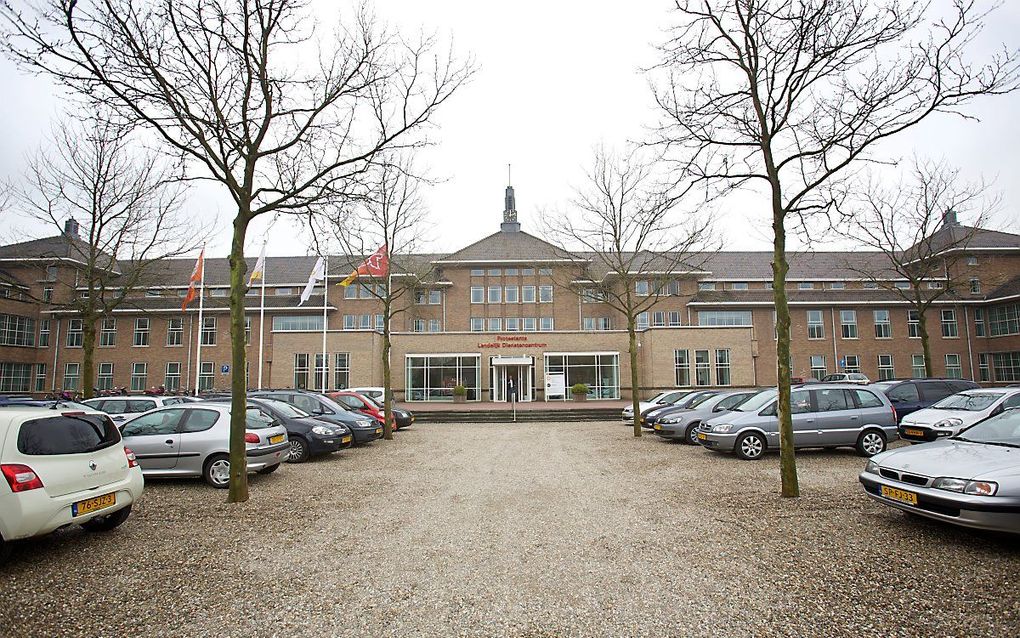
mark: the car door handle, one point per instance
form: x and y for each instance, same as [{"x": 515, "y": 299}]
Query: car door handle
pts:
[
  {"x": 169, "y": 441},
  {"x": 810, "y": 420},
  {"x": 854, "y": 418}
]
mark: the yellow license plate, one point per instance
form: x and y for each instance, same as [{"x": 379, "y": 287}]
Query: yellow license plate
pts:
[
  {"x": 701, "y": 436},
  {"x": 899, "y": 495},
  {"x": 658, "y": 427},
  {"x": 412, "y": 419},
  {"x": 910, "y": 432},
  {"x": 346, "y": 439},
  {"x": 278, "y": 438},
  {"x": 378, "y": 430},
  {"x": 90, "y": 505}
]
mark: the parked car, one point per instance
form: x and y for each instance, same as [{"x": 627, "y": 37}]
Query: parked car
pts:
[
  {"x": 971, "y": 479},
  {"x": 122, "y": 409},
  {"x": 56, "y": 404},
  {"x": 910, "y": 395},
  {"x": 192, "y": 439},
  {"x": 405, "y": 418},
  {"x": 307, "y": 435},
  {"x": 846, "y": 377},
  {"x": 687, "y": 402},
  {"x": 682, "y": 423},
  {"x": 373, "y": 392},
  {"x": 62, "y": 467},
  {"x": 824, "y": 415},
  {"x": 663, "y": 398},
  {"x": 363, "y": 428},
  {"x": 361, "y": 404},
  {"x": 957, "y": 411}
]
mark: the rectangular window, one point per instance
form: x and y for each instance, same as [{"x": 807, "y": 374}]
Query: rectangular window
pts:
[
  {"x": 104, "y": 376},
  {"x": 495, "y": 294},
  {"x": 247, "y": 331},
  {"x": 283, "y": 292},
  {"x": 641, "y": 288},
  {"x": 139, "y": 376},
  {"x": 511, "y": 294},
  {"x": 932, "y": 285},
  {"x": 596, "y": 323},
  {"x": 837, "y": 285},
  {"x": 299, "y": 323},
  {"x": 1006, "y": 366},
  {"x": 435, "y": 297},
  {"x": 527, "y": 272},
  {"x": 706, "y": 285},
  {"x": 975, "y": 286},
  {"x": 592, "y": 295},
  {"x": 433, "y": 377},
  {"x": 47, "y": 294},
  {"x": 350, "y": 292},
  {"x": 365, "y": 291},
  {"x": 972, "y": 261},
  {"x": 172, "y": 377},
  {"x": 16, "y": 330},
  {"x": 208, "y": 331},
  {"x": 418, "y": 325},
  {"x": 806, "y": 285},
  {"x": 659, "y": 318},
  {"x": 682, "y": 366},
  {"x": 528, "y": 294},
  {"x": 545, "y": 271},
  {"x": 321, "y": 370},
  {"x": 342, "y": 370},
  {"x": 44, "y": 333},
  {"x": 722, "y": 367},
  {"x": 905, "y": 285},
  {"x": 365, "y": 322},
  {"x": 913, "y": 324},
  {"x": 350, "y": 322},
  {"x": 984, "y": 368},
  {"x": 1004, "y": 320},
  {"x": 818, "y": 367},
  {"x": 477, "y": 272},
  {"x": 885, "y": 367},
  {"x": 979, "y": 322},
  {"x": 477, "y": 324},
  {"x": 738, "y": 285},
  {"x": 851, "y": 363},
  {"x": 74, "y": 336},
  {"x": 513, "y": 324},
  {"x": 848, "y": 323},
  {"x": 674, "y": 318},
  {"x": 642, "y": 320},
  {"x": 546, "y": 324},
  {"x": 494, "y": 272},
  {"x": 420, "y": 297},
  {"x": 206, "y": 378},
  {"x": 380, "y": 323},
  {"x": 949, "y": 328},
  {"x": 40, "y": 377},
  {"x": 493, "y": 324},
  {"x": 222, "y": 292},
  {"x": 510, "y": 272},
  {"x": 953, "y": 368},
  {"x": 141, "y": 337},
  {"x": 815, "y": 325},
  {"x": 72, "y": 375},
  {"x": 530, "y": 324},
  {"x": 15, "y": 377},
  {"x": 108, "y": 332},
  {"x": 435, "y": 325},
  {"x": 917, "y": 366},
  {"x": 883, "y": 325},
  {"x": 301, "y": 371},
  {"x": 702, "y": 368},
  {"x": 545, "y": 294},
  {"x": 477, "y": 294},
  {"x": 870, "y": 285},
  {"x": 724, "y": 318},
  {"x": 174, "y": 331}
]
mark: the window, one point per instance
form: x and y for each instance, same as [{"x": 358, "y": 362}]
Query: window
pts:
[
  {"x": 1004, "y": 320},
  {"x": 848, "y": 323},
  {"x": 139, "y": 376},
  {"x": 659, "y": 318},
  {"x": 365, "y": 322},
  {"x": 949, "y": 329},
  {"x": 72, "y": 372},
  {"x": 545, "y": 294},
  {"x": 904, "y": 392},
  {"x": 51, "y": 273},
  {"x": 682, "y": 365},
  {"x": 815, "y": 325},
  {"x": 913, "y": 324},
  {"x": 351, "y": 292},
  {"x": 44, "y": 333},
  {"x": 702, "y": 368},
  {"x": 477, "y": 294},
  {"x": 205, "y": 376},
  {"x": 979, "y": 322},
  {"x": 975, "y": 286},
  {"x": 435, "y": 325},
  {"x": 738, "y": 285},
  {"x": 642, "y": 320},
  {"x": 222, "y": 292},
  {"x": 870, "y": 285},
  {"x": 596, "y": 323},
  {"x": 365, "y": 291},
  {"x": 435, "y": 297},
  {"x": 290, "y": 291},
  {"x": 418, "y": 325},
  {"x": 247, "y": 331},
  {"x": 885, "y": 367},
  {"x": 300, "y": 323},
  {"x": 546, "y": 324},
  {"x": 530, "y": 323},
  {"x": 866, "y": 399},
  {"x": 380, "y": 323},
  {"x": 321, "y": 370},
  {"x": 15, "y": 377},
  {"x": 1006, "y": 366},
  {"x": 971, "y": 260},
  {"x": 16, "y": 330},
  {"x": 953, "y": 368},
  {"x": 47, "y": 294},
  {"x": 433, "y": 377},
  {"x": 104, "y": 378},
  {"x": 674, "y": 318},
  {"x": 905, "y": 285},
  {"x": 477, "y": 324},
  {"x": 837, "y": 285},
  {"x": 141, "y": 337},
  {"x": 174, "y": 331},
  {"x": 528, "y": 294},
  {"x": 477, "y": 272},
  {"x": 495, "y": 294},
  {"x": 74, "y": 327},
  {"x": 513, "y": 324},
  {"x": 300, "y": 371},
  {"x": 510, "y": 272},
  {"x": 706, "y": 285},
  {"x": 527, "y": 272},
  {"x": 420, "y": 297},
  {"x": 818, "y": 367},
  {"x": 511, "y": 294},
  {"x": 545, "y": 271},
  {"x": 641, "y": 288},
  {"x": 672, "y": 288},
  {"x": 806, "y": 285},
  {"x": 724, "y": 318},
  {"x": 932, "y": 285},
  {"x": 40, "y": 377},
  {"x": 984, "y": 368},
  {"x": 883, "y": 325},
  {"x": 851, "y": 363},
  {"x": 592, "y": 295},
  {"x": 342, "y": 370},
  {"x": 833, "y": 400},
  {"x": 172, "y": 378},
  {"x": 350, "y": 322},
  {"x": 599, "y": 371},
  {"x": 494, "y": 272},
  {"x": 493, "y": 324},
  {"x": 722, "y": 367},
  {"x": 208, "y": 331},
  {"x": 917, "y": 366}
]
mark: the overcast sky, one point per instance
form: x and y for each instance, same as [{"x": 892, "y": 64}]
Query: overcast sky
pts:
[{"x": 554, "y": 80}]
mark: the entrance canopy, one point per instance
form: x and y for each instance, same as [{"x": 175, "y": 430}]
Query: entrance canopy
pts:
[{"x": 511, "y": 361}]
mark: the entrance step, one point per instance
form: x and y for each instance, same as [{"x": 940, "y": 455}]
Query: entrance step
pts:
[{"x": 503, "y": 415}]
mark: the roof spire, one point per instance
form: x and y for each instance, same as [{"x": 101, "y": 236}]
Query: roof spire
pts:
[{"x": 510, "y": 223}]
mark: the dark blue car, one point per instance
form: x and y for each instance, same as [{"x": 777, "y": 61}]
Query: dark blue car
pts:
[{"x": 911, "y": 395}]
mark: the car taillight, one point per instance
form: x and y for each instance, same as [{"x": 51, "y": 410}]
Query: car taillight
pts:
[
  {"x": 132, "y": 460},
  {"x": 251, "y": 438},
  {"x": 895, "y": 417},
  {"x": 21, "y": 478}
]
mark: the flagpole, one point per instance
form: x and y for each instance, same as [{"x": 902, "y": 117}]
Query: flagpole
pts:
[
  {"x": 201, "y": 305},
  {"x": 325, "y": 291},
  {"x": 262, "y": 316}
]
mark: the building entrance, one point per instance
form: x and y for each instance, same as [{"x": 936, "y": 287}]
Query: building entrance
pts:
[{"x": 512, "y": 375}]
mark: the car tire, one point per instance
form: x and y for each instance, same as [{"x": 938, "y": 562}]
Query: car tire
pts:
[
  {"x": 298, "y": 450},
  {"x": 215, "y": 469},
  {"x": 270, "y": 469},
  {"x": 870, "y": 443},
  {"x": 691, "y": 433},
  {"x": 750, "y": 446},
  {"x": 108, "y": 522},
  {"x": 5, "y": 550}
]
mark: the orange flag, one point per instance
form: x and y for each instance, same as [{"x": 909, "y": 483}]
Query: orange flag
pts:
[
  {"x": 196, "y": 276},
  {"x": 377, "y": 265}
]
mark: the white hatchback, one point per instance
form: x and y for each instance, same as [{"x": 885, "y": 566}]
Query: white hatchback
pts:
[
  {"x": 956, "y": 412},
  {"x": 62, "y": 467}
]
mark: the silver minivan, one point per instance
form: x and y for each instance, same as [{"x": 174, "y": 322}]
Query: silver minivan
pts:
[{"x": 824, "y": 415}]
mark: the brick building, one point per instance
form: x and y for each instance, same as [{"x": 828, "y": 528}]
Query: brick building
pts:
[{"x": 502, "y": 309}]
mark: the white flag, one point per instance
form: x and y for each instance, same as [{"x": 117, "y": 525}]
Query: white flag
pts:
[
  {"x": 318, "y": 274},
  {"x": 259, "y": 271}
]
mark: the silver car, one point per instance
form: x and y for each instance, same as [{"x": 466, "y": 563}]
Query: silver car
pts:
[
  {"x": 124, "y": 408},
  {"x": 971, "y": 479},
  {"x": 682, "y": 424},
  {"x": 824, "y": 415},
  {"x": 192, "y": 439}
]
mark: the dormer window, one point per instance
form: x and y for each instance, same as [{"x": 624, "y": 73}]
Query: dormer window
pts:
[
  {"x": 972, "y": 260},
  {"x": 738, "y": 285},
  {"x": 837, "y": 285},
  {"x": 706, "y": 285},
  {"x": 806, "y": 285}
]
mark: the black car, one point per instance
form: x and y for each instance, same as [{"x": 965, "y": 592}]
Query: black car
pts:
[
  {"x": 404, "y": 418},
  {"x": 363, "y": 428},
  {"x": 911, "y": 395},
  {"x": 308, "y": 435}
]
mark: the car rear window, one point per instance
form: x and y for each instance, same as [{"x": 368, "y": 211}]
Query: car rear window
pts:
[
  {"x": 140, "y": 406},
  {"x": 903, "y": 392},
  {"x": 67, "y": 435},
  {"x": 867, "y": 399},
  {"x": 256, "y": 419}
]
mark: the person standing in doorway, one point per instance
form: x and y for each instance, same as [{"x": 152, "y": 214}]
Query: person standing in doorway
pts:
[{"x": 511, "y": 391}]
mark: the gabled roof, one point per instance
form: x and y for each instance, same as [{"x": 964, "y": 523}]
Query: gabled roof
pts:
[
  {"x": 1009, "y": 289},
  {"x": 57, "y": 247},
  {"x": 959, "y": 237},
  {"x": 513, "y": 246}
]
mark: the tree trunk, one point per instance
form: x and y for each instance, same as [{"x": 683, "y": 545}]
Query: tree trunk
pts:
[
  {"x": 238, "y": 492},
  {"x": 922, "y": 326},
  {"x": 88, "y": 355},
  {"x": 787, "y": 459},
  {"x": 387, "y": 374},
  {"x": 634, "y": 400}
]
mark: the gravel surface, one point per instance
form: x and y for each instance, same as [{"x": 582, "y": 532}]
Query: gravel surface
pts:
[{"x": 519, "y": 530}]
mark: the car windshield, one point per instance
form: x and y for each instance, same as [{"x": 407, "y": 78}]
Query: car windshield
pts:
[
  {"x": 286, "y": 409},
  {"x": 697, "y": 399},
  {"x": 1003, "y": 429},
  {"x": 970, "y": 402},
  {"x": 833, "y": 377},
  {"x": 756, "y": 401}
]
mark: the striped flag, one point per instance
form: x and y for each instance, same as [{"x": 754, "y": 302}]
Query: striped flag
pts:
[
  {"x": 259, "y": 271},
  {"x": 196, "y": 277}
]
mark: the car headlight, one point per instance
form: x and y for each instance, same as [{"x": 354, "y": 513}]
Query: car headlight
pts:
[
  {"x": 365, "y": 423},
  {"x": 722, "y": 427},
  {"x": 949, "y": 423},
  {"x": 673, "y": 419},
  {"x": 975, "y": 488},
  {"x": 871, "y": 467},
  {"x": 323, "y": 430}
]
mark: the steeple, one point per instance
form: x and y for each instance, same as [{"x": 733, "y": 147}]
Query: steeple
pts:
[{"x": 510, "y": 223}]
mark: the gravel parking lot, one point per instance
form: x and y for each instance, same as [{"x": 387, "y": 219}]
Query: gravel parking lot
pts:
[{"x": 526, "y": 530}]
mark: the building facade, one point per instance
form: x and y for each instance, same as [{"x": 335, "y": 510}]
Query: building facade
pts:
[{"x": 511, "y": 310}]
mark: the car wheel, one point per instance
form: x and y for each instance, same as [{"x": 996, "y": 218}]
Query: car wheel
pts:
[
  {"x": 298, "y": 451},
  {"x": 108, "y": 522},
  {"x": 270, "y": 469},
  {"x": 750, "y": 447},
  {"x": 691, "y": 435},
  {"x": 5, "y": 550},
  {"x": 217, "y": 471},
  {"x": 870, "y": 443}
]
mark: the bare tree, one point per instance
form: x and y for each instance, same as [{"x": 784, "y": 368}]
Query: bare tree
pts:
[
  {"x": 624, "y": 227},
  {"x": 247, "y": 91},
  {"x": 128, "y": 204},
  {"x": 913, "y": 223},
  {"x": 792, "y": 96}
]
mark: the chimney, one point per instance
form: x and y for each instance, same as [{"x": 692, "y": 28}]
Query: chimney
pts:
[
  {"x": 71, "y": 228},
  {"x": 949, "y": 218}
]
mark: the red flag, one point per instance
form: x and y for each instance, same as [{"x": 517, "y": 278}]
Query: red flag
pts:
[
  {"x": 377, "y": 265},
  {"x": 196, "y": 277}
]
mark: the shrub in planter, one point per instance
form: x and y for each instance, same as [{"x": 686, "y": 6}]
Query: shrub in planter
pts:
[
  {"x": 580, "y": 391},
  {"x": 459, "y": 394}
]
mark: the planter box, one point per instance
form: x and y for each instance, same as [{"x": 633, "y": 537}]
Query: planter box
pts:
[
  {"x": 460, "y": 398},
  {"x": 580, "y": 397}
]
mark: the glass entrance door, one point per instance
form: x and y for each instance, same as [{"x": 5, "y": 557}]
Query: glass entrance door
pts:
[{"x": 507, "y": 377}]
